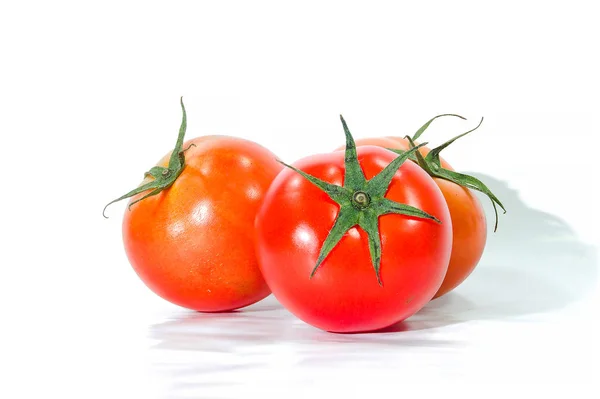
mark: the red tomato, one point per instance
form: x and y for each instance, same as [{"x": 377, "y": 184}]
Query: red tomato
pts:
[
  {"x": 344, "y": 294},
  {"x": 469, "y": 228}
]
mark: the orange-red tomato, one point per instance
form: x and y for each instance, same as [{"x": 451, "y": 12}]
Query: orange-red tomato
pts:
[
  {"x": 192, "y": 244},
  {"x": 469, "y": 228}
]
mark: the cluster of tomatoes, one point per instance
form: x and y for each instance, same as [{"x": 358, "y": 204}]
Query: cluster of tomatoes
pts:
[{"x": 354, "y": 240}]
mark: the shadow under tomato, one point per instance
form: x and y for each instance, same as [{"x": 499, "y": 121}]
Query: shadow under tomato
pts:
[{"x": 534, "y": 263}]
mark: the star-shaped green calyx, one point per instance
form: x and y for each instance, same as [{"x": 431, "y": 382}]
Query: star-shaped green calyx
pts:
[
  {"x": 432, "y": 165},
  {"x": 163, "y": 177},
  {"x": 362, "y": 202}
]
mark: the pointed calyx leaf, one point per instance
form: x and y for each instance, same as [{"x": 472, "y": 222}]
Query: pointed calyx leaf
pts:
[
  {"x": 380, "y": 183},
  {"x": 362, "y": 202},
  {"x": 335, "y": 192},
  {"x": 435, "y": 153},
  {"x": 370, "y": 224},
  {"x": 419, "y": 159},
  {"x": 353, "y": 175},
  {"x": 414, "y": 157},
  {"x": 419, "y": 132},
  {"x": 345, "y": 220},
  {"x": 474, "y": 184},
  {"x": 387, "y": 206},
  {"x": 432, "y": 165},
  {"x": 162, "y": 178}
]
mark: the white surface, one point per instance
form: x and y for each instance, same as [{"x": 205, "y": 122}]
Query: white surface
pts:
[{"x": 88, "y": 102}]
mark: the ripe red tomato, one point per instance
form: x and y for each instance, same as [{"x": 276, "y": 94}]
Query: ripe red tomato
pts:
[
  {"x": 344, "y": 294},
  {"x": 469, "y": 227},
  {"x": 192, "y": 243}
]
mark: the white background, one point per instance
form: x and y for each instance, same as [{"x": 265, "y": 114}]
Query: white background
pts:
[{"x": 89, "y": 101}]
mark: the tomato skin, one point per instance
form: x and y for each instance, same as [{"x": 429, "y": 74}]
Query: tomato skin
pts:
[
  {"x": 469, "y": 233},
  {"x": 469, "y": 226},
  {"x": 344, "y": 295},
  {"x": 192, "y": 244}
]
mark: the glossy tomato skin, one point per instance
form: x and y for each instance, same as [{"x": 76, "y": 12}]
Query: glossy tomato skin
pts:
[
  {"x": 469, "y": 227},
  {"x": 344, "y": 295},
  {"x": 192, "y": 244},
  {"x": 469, "y": 234}
]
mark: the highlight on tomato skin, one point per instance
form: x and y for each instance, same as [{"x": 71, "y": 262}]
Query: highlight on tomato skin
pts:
[
  {"x": 346, "y": 267},
  {"x": 188, "y": 230}
]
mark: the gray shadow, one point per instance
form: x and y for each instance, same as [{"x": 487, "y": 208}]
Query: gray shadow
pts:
[{"x": 533, "y": 263}]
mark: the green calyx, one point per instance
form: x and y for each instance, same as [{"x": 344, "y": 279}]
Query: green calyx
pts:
[
  {"x": 362, "y": 202},
  {"x": 432, "y": 165},
  {"x": 162, "y": 178}
]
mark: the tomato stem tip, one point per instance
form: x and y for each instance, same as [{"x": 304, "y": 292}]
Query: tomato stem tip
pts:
[{"x": 162, "y": 178}]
